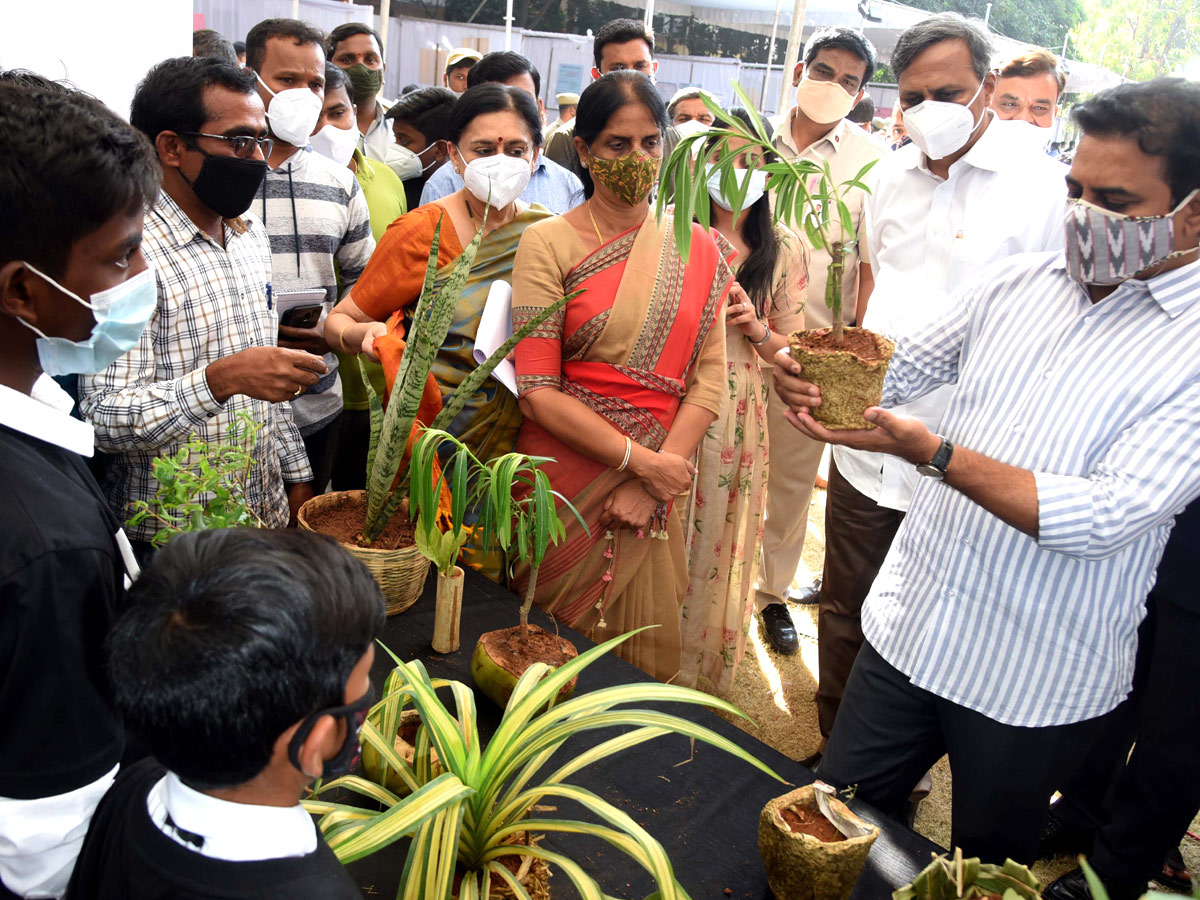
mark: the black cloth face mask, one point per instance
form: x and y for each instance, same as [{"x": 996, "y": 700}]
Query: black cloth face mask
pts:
[
  {"x": 354, "y": 715},
  {"x": 228, "y": 184}
]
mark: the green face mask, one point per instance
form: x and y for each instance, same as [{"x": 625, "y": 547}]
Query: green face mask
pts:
[
  {"x": 364, "y": 83},
  {"x": 630, "y": 178}
]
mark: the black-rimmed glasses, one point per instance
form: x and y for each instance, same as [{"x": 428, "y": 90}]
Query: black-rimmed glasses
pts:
[{"x": 243, "y": 144}]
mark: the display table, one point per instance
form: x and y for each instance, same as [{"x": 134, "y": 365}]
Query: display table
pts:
[{"x": 704, "y": 811}]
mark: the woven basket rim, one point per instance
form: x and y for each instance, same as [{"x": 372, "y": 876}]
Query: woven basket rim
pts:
[
  {"x": 339, "y": 498},
  {"x": 807, "y": 792}
]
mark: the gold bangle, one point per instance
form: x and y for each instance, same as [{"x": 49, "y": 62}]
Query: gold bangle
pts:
[{"x": 628, "y": 452}]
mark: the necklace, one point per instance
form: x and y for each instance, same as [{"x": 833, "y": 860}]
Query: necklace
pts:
[{"x": 599, "y": 236}]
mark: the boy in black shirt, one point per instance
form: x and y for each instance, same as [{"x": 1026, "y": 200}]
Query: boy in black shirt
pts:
[
  {"x": 242, "y": 664},
  {"x": 75, "y": 293}
]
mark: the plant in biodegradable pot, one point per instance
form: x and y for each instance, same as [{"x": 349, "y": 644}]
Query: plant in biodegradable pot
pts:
[
  {"x": 366, "y": 522},
  {"x": 812, "y": 846},
  {"x": 849, "y": 364},
  {"x": 955, "y": 878},
  {"x": 203, "y": 484},
  {"x": 520, "y": 514},
  {"x": 486, "y": 841}
]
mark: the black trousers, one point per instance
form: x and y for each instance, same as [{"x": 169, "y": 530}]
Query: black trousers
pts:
[
  {"x": 321, "y": 447},
  {"x": 349, "y": 471},
  {"x": 889, "y": 732}
]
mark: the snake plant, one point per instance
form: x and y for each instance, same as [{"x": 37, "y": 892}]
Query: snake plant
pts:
[
  {"x": 508, "y": 777},
  {"x": 805, "y": 191}
]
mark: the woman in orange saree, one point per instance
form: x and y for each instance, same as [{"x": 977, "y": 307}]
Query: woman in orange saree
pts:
[{"x": 619, "y": 387}]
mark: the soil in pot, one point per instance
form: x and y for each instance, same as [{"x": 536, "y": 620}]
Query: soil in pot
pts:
[
  {"x": 850, "y": 374},
  {"x": 533, "y": 874},
  {"x": 803, "y": 819},
  {"x": 501, "y": 657},
  {"x": 344, "y": 523}
]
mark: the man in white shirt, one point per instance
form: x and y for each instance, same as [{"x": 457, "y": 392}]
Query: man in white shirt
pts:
[
  {"x": 829, "y": 81},
  {"x": 966, "y": 192}
]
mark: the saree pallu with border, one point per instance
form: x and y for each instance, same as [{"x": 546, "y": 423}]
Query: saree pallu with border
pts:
[{"x": 628, "y": 348}]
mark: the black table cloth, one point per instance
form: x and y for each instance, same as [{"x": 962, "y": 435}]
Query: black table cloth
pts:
[{"x": 704, "y": 812}]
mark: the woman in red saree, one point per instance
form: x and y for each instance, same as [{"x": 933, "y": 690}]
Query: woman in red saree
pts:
[{"x": 620, "y": 386}]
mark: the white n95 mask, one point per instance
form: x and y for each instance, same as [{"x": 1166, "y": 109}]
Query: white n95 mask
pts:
[
  {"x": 941, "y": 129},
  {"x": 497, "y": 180},
  {"x": 292, "y": 114}
]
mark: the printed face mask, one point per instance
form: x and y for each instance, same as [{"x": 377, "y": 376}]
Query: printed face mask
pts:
[
  {"x": 628, "y": 178},
  {"x": 497, "y": 180},
  {"x": 121, "y": 315},
  {"x": 757, "y": 187},
  {"x": 824, "y": 102},
  {"x": 939, "y": 128},
  {"x": 354, "y": 714},
  {"x": 1104, "y": 247},
  {"x": 292, "y": 114},
  {"x": 336, "y": 143}
]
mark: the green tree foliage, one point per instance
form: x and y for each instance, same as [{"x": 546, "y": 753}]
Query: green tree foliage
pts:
[
  {"x": 1041, "y": 22},
  {"x": 1138, "y": 38}
]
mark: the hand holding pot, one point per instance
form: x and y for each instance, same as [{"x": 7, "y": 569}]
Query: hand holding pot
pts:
[
  {"x": 793, "y": 390},
  {"x": 901, "y": 436},
  {"x": 664, "y": 475}
]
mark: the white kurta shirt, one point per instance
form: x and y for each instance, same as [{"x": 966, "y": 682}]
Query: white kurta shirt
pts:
[{"x": 926, "y": 237}]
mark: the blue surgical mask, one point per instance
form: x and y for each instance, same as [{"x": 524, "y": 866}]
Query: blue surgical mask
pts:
[{"x": 121, "y": 314}]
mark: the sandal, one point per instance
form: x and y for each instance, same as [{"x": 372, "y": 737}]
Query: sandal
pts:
[{"x": 1174, "y": 874}]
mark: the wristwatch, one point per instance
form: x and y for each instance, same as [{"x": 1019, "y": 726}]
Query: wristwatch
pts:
[{"x": 936, "y": 467}]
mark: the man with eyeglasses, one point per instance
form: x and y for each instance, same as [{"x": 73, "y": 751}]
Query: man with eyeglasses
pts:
[{"x": 209, "y": 352}]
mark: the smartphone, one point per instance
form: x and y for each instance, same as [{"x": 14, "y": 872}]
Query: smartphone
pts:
[{"x": 301, "y": 316}]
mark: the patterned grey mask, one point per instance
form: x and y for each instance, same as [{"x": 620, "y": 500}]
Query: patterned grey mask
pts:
[{"x": 1104, "y": 247}]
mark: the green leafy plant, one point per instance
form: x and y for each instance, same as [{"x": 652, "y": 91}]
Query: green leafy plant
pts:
[
  {"x": 955, "y": 878},
  {"x": 387, "y": 485},
  {"x": 822, "y": 212},
  {"x": 203, "y": 484},
  {"x": 1100, "y": 892},
  {"x": 509, "y": 777}
]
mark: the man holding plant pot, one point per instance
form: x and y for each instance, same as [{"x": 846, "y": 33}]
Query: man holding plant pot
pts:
[
  {"x": 1003, "y": 623},
  {"x": 968, "y": 191}
]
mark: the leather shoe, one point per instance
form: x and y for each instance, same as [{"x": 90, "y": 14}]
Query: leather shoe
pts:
[
  {"x": 808, "y": 595},
  {"x": 1072, "y": 886},
  {"x": 779, "y": 628},
  {"x": 1062, "y": 839}
]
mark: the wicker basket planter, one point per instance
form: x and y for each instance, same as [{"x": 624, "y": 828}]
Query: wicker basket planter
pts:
[
  {"x": 849, "y": 384},
  {"x": 401, "y": 573},
  {"x": 802, "y": 867}
]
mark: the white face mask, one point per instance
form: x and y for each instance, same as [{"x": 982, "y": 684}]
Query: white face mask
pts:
[
  {"x": 690, "y": 127},
  {"x": 497, "y": 180},
  {"x": 292, "y": 114},
  {"x": 757, "y": 187},
  {"x": 941, "y": 129},
  {"x": 1028, "y": 136},
  {"x": 402, "y": 161},
  {"x": 825, "y": 102},
  {"x": 336, "y": 143}
]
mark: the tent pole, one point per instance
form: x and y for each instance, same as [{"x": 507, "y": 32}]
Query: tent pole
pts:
[
  {"x": 649, "y": 20},
  {"x": 794, "y": 48},
  {"x": 762, "y": 99},
  {"x": 385, "y": 13}
]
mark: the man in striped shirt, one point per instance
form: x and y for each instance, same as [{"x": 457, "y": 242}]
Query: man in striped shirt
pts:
[
  {"x": 315, "y": 213},
  {"x": 1003, "y": 622}
]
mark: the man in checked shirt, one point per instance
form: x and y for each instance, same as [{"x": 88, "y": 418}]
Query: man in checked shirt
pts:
[
  {"x": 1002, "y": 626},
  {"x": 210, "y": 350}
]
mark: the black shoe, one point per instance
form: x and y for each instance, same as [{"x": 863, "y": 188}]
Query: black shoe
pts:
[
  {"x": 780, "y": 630},
  {"x": 1072, "y": 886},
  {"x": 1062, "y": 839},
  {"x": 809, "y": 595}
]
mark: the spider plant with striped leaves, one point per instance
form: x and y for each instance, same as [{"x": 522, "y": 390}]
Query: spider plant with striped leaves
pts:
[
  {"x": 511, "y": 775},
  {"x": 806, "y": 193}
]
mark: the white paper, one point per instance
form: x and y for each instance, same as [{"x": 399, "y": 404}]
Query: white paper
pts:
[
  {"x": 285, "y": 300},
  {"x": 495, "y": 327}
]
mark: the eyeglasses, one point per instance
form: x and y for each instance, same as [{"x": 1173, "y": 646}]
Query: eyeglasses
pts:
[{"x": 243, "y": 144}]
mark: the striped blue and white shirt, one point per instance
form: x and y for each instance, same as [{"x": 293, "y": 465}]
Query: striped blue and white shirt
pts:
[{"x": 1102, "y": 403}]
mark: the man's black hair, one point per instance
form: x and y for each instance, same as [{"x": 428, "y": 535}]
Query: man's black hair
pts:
[
  {"x": 68, "y": 164},
  {"x": 171, "y": 96},
  {"x": 465, "y": 63},
  {"x": 206, "y": 42},
  {"x": 1162, "y": 115},
  {"x": 409, "y": 88},
  {"x": 603, "y": 97},
  {"x": 27, "y": 79},
  {"x": 946, "y": 26},
  {"x": 488, "y": 98},
  {"x": 863, "y": 112},
  {"x": 844, "y": 39},
  {"x": 301, "y": 33},
  {"x": 427, "y": 110},
  {"x": 498, "y": 67},
  {"x": 348, "y": 30},
  {"x": 334, "y": 78},
  {"x": 620, "y": 31},
  {"x": 239, "y": 47},
  {"x": 232, "y": 636}
]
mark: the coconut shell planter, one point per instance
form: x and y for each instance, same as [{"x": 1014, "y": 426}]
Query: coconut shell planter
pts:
[
  {"x": 501, "y": 658},
  {"x": 850, "y": 374},
  {"x": 812, "y": 846}
]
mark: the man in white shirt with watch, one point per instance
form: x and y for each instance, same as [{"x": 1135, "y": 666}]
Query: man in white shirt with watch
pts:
[{"x": 968, "y": 191}]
